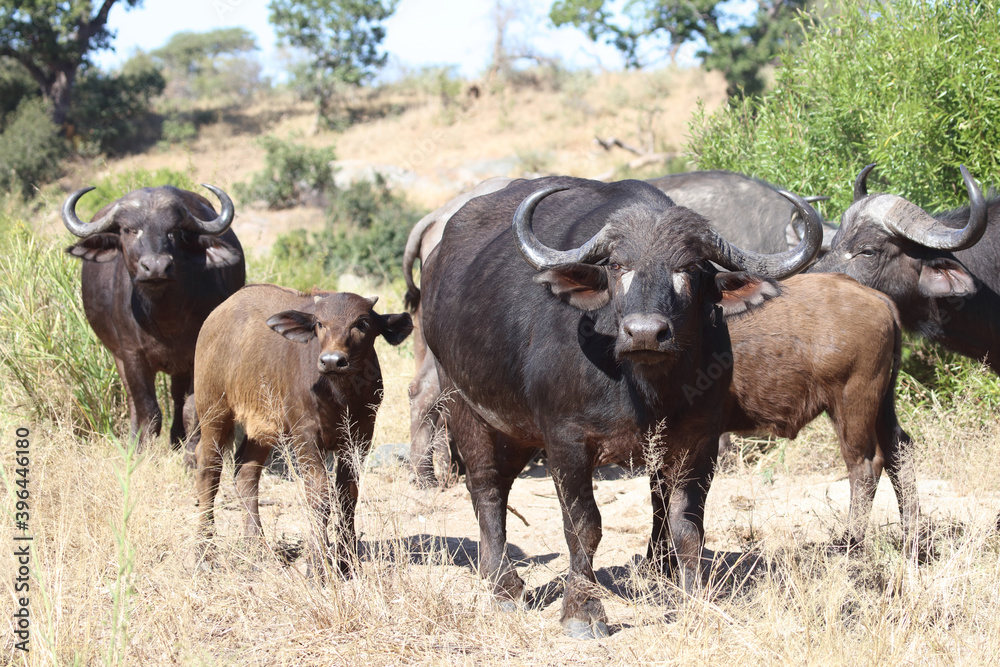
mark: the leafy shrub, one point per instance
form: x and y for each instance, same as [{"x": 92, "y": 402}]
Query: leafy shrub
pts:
[
  {"x": 16, "y": 84},
  {"x": 30, "y": 148},
  {"x": 176, "y": 131},
  {"x": 292, "y": 173},
  {"x": 117, "y": 185},
  {"x": 367, "y": 226},
  {"x": 912, "y": 85},
  {"x": 111, "y": 113}
]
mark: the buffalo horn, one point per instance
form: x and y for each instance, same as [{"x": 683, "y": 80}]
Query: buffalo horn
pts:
[
  {"x": 861, "y": 182},
  {"x": 77, "y": 226},
  {"x": 908, "y": 220},
  {"x": 540, "y": 255},
  {"x": 779, "y": 265},
  {"x": 222, "y": 222}
]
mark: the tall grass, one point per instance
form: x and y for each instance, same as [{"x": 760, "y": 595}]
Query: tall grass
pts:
[{"x": 50, "y": 358}]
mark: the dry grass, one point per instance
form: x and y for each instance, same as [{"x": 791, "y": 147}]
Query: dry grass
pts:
[{"x": 779, "y": 593}]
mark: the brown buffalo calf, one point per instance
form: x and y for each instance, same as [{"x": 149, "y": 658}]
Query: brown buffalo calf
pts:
[
  {"x": 828, "y": 344},
  {"x": 297, "y": 366}
]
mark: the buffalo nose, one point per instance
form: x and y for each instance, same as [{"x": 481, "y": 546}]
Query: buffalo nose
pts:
[
  {"x": 646, "y": 331},
  {"x": 155, "y": 267},
  {"x": 331, "y": 362}
]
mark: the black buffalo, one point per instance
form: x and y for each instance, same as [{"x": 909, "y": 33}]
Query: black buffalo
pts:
[
  {"x": 156, "y": 262},
  {"x": 940, "y": 270},
  {"x": 587, "y": 352},
  {"x": 747, "y": 211}
]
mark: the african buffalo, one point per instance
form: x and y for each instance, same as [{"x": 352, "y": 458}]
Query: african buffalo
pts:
[
  {"x": 156, "y": 262},
  {"x": 941, "y": 271},
  {"x": 300, "y": 367},
  {"x": 828, "y": 344},
  {"x": 747, "y": 211},
  {"x": 585, "y": 352}
]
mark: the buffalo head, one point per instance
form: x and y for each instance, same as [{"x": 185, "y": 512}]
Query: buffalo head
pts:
[
  {"x": 345, "y": 325},
  {"x": 655, "y": 265},
  {"x": 157, "y": 231},
  {"x": 894, "y": 246}
]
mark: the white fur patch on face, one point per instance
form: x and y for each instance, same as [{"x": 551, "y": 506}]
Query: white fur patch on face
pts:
[
  {"x": 316, "y": 299},
  {"x": 627, "y": 280},
  {"x": 680, "y": 281},
  {"x": 138, "y": 234}
]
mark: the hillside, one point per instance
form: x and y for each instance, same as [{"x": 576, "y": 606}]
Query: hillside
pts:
[{"x": 432, "y": 146}]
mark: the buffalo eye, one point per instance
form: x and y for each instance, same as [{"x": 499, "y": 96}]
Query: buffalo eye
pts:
[
  {"x": 128, "y": 231},
  {"x": 867, "y": 251},
  {"x": 363, "y": 325}
]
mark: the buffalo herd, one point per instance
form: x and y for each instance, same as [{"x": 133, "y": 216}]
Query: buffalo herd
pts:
[{"x": 600, "y": 322}]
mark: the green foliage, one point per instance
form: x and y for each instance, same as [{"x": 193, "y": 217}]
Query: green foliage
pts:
[
  {"x": 914, "y": 86},
  {"x": 118, "y": 185},
  {"x": 214, "y": 64},
  {"x": 176, "y": 131},
  {"x": 110, "y": 112},
  {"x": 740, "y": 50},
  {"x": 30, "y": 148},
  {"x": 50, "y": 359},
  {"x": 15, "y": 86},
  {"x": 292, "y": 172},
  {"x": 367, "y": 226},
  {"x": 341, "y": 39},
  {"x": 931, "y": 375},
  {"x": 52, "y": 40}
]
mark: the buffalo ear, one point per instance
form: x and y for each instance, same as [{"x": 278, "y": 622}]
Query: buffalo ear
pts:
[
  {"x": 940, "y": 277},
  {"x": 294, "y": 325},
  {"x": 396, "y": 327},
  {"x": 219, "y": 253},
  {"x": 742, "y": 292},
  {"x": 97, "y": 248},
  {"x": 582, "y": 286}
]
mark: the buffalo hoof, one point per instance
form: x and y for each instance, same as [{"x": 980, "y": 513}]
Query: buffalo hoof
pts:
[{"x": 578, "y": 629}]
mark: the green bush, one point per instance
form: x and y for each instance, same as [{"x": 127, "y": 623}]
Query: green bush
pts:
[
  {"x": 367, "y": 226},
  {"x": 111, "y": 113},
  {"x": 117, "y": 185},
  {"x": 292, "y": 172},
  {"x": 912, "y": 85},
  {"x": 30, "y": 148},
  {"x": 16, "y": 84},
  {"x": 177, "y": 131}
]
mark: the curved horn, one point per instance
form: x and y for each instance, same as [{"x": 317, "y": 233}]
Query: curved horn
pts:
[
  {"x": 219, "y": 224},
  {"x": 861, "y": 182},
  {"x": 780, "y": 265},
  {"x": 908, "y": 220},
  {"x": 540, "y": 255},
  {"x": 77, "y": 226}
]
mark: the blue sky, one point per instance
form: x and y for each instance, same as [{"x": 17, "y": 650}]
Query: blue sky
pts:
[{"x": 420, "y": 33}]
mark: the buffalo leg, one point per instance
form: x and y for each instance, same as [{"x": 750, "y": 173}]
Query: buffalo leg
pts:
[
  {"x": 897, "y": 453},
  {"x": 583, "y": 614},
  {"x": 181, "y": 386},
  {"x": 492, "y": 464},
  {"x": 250, "y": 459},
  {"x": 425, "y": 398},
  {"x": 140, "y": 385},
  {"x": 346, "y": 484},
  {"x": 859, "y": 448},
  {"x": 660, "y": 554},
  {"x": 215, "y": 435},
  {"x": 312, "y": 464},
  {"x": 686, "y": 515}
]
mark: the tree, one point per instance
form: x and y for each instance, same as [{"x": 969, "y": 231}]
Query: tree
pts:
[
  {"x": 740, "y": 50},
  {"x": 52, "y": 39},
  {"x": 216, "y": 62},
  {"x": 341, "y": 37}
]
